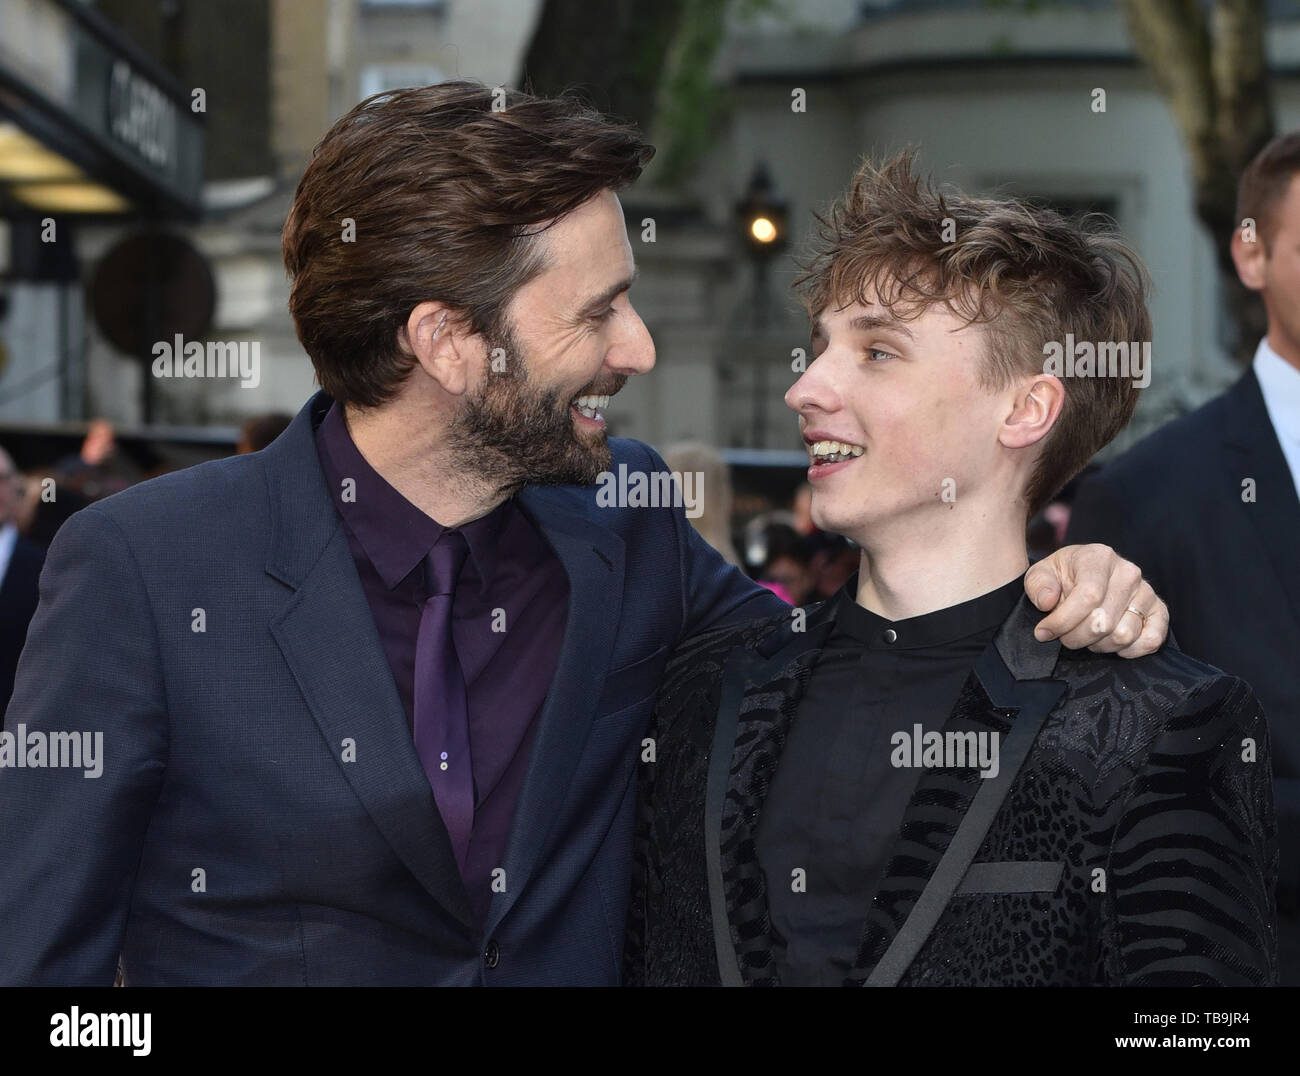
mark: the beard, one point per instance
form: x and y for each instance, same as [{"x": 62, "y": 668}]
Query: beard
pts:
[{"x": 513, "y": 433}]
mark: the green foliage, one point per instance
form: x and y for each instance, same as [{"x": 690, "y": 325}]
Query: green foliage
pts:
[{"x": 691, "y": 108}]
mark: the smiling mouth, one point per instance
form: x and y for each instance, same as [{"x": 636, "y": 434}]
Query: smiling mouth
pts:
[
  {"x": 591, "y": 407},
  {"x": 832, "y": 451}
]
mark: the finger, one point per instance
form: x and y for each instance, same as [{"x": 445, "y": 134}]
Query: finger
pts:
[
  {"x": 1087, "y": 576},
  {"x": 1156, "y": 629},
  {"x": 1120, "y": 626},
  {"x": 1155, "y": 624},
  {"x": 1042, "y": 586},
  {"x": 1126, "y": 632}
]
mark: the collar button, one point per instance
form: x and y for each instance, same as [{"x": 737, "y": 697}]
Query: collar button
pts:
[{"x": 890, "y": 635}]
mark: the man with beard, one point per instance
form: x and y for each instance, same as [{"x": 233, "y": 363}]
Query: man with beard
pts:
[{"x": 372, "y": 699}]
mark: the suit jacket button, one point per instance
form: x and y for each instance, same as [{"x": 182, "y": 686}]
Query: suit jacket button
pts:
[{"x": 492, "y": 954}]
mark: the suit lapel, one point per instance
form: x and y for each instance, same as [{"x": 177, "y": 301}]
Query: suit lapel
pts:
[
  {"x": 1252, "y": 451},
  {"x": 593, "y": 558},
  {"x": 328, "y": 619},
  {"x": 1010, "y": 693},
  {"x": 739, "y": 669},
  {"x": 761, "y": 690}
]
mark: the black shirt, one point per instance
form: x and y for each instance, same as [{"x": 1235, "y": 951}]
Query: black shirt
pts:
[{"x": 836, "y": 802}]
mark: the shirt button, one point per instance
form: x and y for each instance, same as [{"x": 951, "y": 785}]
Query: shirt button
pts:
[
  {"x": 492, "y": 954},
  {"x": 890, "y": 635}
]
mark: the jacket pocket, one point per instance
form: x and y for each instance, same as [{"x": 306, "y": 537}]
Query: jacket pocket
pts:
[{"x": 632, "y": 683}]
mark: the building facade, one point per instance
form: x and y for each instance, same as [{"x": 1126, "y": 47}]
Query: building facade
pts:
[{"x": 995, "y": 97}]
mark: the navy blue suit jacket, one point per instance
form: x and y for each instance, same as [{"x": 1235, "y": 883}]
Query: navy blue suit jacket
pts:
[{"x": 262, "y": 816}]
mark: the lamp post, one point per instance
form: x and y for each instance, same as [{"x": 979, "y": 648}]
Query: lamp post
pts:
[{"x": 761, "y": 217}]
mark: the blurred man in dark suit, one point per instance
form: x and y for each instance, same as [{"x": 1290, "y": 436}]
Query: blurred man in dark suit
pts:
[
  {"x": 1208, "y": 506},
  {"x": 20, "y": 568}
]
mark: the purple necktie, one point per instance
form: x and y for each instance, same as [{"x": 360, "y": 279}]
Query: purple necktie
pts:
[{"x": 441, "y": 713}]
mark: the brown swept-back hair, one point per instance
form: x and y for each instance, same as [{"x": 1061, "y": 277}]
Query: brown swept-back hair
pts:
[
  {"x": 1027, "y": 274},
  {"x": 1266, "y": 181},
  {"x": 444, "y": 187}
]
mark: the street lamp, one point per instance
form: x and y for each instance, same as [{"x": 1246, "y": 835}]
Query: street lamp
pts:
[{"x": 761, "y": 217}]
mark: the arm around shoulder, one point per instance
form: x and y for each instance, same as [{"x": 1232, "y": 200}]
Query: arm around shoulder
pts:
[{"x": 714, "y": 593}]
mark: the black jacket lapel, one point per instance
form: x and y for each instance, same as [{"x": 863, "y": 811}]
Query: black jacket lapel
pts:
[
  {"x": 740, "y": 668},
  {"x": 761, "y": 689},
  {"x": 950, "y": 813}
]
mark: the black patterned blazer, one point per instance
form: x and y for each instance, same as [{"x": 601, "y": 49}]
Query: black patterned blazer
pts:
[{"x": 1128, "y": 838}]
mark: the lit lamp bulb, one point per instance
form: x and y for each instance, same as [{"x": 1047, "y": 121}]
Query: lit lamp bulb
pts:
[{"x": 763, "y": 229}]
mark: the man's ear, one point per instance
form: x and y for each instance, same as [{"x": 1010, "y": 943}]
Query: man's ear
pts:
[
  {"x": 436, "y": 336},
  {"x": 1249, "y": 259},
  {"x": 1035, "y": 408}
]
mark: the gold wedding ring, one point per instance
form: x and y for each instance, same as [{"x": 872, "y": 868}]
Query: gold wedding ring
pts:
[{"x": 1138, "y": 613}]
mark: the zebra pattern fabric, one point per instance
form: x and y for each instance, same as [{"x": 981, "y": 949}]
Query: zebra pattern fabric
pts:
[{"x": 1135, "y": 845}]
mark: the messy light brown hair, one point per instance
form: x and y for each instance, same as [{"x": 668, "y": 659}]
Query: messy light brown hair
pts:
[
  {"x": 1024, "y": 272},
  {"x": 445, "y": 186}
]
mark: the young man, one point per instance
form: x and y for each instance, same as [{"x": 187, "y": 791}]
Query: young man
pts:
[
  {"x": 902, "y": 785},
  {"x": 1233, "y": 580},
  {"x": 371, "y": 700}
]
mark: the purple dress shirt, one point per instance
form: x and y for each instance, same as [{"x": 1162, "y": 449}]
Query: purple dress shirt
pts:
[{"x": 511, "y": 580}]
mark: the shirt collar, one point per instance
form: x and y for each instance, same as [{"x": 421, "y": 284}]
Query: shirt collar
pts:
[
  {"x": 8, "y": 539},
  {"x": 1279, "y": 383},
  {"x": 930, "y": 629},
  {"x": 394, "y": 534}
]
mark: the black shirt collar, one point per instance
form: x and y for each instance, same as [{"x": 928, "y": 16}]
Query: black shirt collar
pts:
[{"x": 930, "y": 629}]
